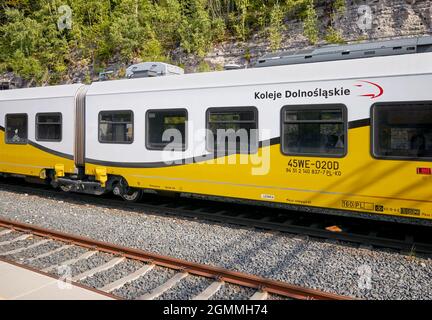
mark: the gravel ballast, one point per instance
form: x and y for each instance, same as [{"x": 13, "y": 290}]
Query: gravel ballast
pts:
[
  {"x": 18, "y": 244},
  {"x": 187, "y": 288},
  {"x": 119, "y": 271},
  {"x": 233, "y": 292},
  {"x": 84, "y": 265},
  {"x": 145, "y": 284},
  {"x": 333, "y": 267},
  {"x": 10, "y": 236},
  {"x": 33, "y": 252},
  {"x": 57, "y": 258}
]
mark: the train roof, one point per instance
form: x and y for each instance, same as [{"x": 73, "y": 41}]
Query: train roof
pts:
[
  {"x": 348, "y": 51},
  {"x": 48, "y": 92},
  {"x": 412, "y": 64}
]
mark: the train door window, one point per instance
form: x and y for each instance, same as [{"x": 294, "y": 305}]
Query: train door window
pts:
[
  {"x": 402, "y": 130},
  {"x": 16, "y": 128},
  {"x": 232, "y": 129},
  {"x": 116, "y": 127},
  {"x": 49, "y": 127},
  {"x": 317, "y": 130},
  {"x": 166, "y": 129}
]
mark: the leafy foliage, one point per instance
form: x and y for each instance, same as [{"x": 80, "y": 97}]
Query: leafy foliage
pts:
[
  {"x": 334, "y": 36},
  {"x": 106, "y": 31},
  {"x": 339, "y": 6},
  {"x": 311, "y": 22},
  {"x": 276, "y": 27}
]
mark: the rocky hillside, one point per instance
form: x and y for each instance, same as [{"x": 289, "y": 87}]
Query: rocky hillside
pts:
[
  {"x": 359, "y": 21},
  {"x": 199, "y": 35}
]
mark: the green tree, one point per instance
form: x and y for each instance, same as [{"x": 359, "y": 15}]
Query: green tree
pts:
[
  {"x": 311, "y": 23},
  {"x": 125, "y": 34},
  {"x": 276, "y": 27},
  {"x": 34, "y": 49},
  {"x": 195, "y": 28}
]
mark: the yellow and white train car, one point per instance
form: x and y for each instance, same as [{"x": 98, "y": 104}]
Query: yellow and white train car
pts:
[
  {"x": 37, "y": 130},
  {"x": 350, "y": 135}
]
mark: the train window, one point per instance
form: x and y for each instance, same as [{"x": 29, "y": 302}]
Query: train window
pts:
[
  {"x": 49, "y": 127},
  {"x": 116, "y": 127},
  {"x": 402, "y": 130},
  {"x": 317, "y": 130},
  {"x": 232, "y": 129},
  {"x": 166, "y": 128},
  {"x": 16, "y": 128}
]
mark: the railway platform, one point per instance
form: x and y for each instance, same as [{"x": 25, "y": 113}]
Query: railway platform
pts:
[{"x": 20, "y": 283}]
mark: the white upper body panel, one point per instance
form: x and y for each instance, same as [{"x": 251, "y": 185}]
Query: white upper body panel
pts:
[
  {"x": 31, "y": 101},
  {"x": 410, "y": 64},
  {"x": 49, "y": 92},
  {"x": 368, "y": 81}
]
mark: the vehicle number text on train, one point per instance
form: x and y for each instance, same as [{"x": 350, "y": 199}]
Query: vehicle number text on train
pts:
[{"x": 315, "y": 167}]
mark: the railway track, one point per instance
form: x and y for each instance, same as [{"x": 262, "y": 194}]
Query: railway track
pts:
[
  {"x": 18, "y": 238},
  {"x": 405, "y": 238}
]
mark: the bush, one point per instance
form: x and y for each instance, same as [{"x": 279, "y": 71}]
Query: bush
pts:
[
  {"x": 276, "y": 27},
  {"x": 204, "y": 67},
  {"x": 311, "y": 23},
  {"x": 334, "y": 36}
]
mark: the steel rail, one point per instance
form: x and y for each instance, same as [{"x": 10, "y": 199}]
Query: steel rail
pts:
[{"x": 221, "y": 274}]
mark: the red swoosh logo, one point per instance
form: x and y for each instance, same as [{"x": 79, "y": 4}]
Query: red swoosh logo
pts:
[{"x": 372, "y": 95}]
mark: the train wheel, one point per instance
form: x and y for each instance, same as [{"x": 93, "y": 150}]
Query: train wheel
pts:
[
  {"x": 65, "y": 188},
  {"x": 132, "y": 195},
  {"x": 127, "y": 194}
]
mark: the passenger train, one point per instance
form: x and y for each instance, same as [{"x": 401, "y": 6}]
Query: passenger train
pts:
[{"x": 351, "y": 133}]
